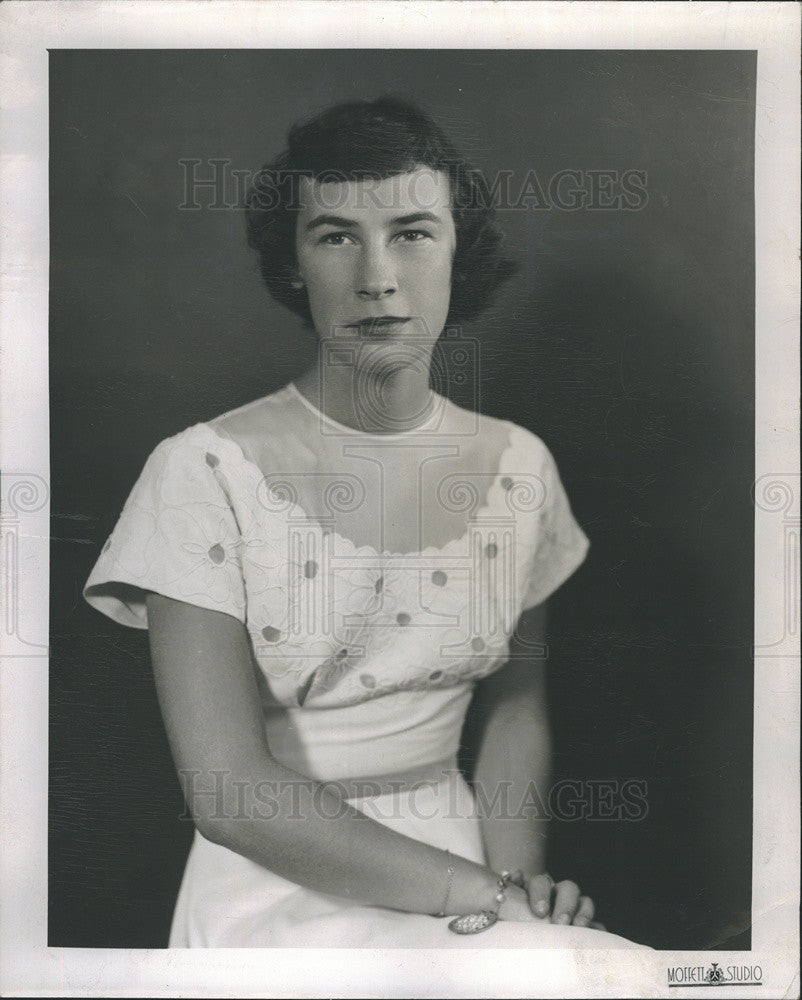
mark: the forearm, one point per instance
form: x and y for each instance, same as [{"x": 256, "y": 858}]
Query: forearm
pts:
[
  {"x": 242, "y": 798},
  {"x": 511, "y": 785},
  {"x": 307, "y": 833}
]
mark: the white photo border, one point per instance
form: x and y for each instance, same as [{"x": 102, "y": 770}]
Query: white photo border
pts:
[{"x": 28, "y": 30}]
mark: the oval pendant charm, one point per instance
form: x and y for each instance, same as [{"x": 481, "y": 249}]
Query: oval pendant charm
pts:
[{"x": 473, "y": 923}]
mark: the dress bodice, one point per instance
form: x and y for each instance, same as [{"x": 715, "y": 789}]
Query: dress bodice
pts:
[{"x": 362, "y": 654}]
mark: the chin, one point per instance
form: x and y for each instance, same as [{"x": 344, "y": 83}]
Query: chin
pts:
[{"x": 385, "y": 357}]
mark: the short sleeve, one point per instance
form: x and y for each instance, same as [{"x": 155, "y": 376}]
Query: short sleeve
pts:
[
  {"x": 177, "y": 535},
  {"x": 560, "y": 545}
]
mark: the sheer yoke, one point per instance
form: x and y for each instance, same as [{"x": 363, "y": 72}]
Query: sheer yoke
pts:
[{"x": 394, "y": 493}]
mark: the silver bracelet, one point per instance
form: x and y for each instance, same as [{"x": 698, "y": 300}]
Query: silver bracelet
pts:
[{"x": 450, "y": 875}]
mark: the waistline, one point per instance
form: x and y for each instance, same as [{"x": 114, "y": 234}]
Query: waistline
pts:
[{"x": 397, "y": 783}]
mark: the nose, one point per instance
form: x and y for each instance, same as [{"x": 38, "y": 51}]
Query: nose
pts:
[{"x": 376, "y": 277}]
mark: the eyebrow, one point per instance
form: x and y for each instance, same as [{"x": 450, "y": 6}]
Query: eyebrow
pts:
[
  {"x": 406, "y": 220},
  {"x": 400, "y": 220}
]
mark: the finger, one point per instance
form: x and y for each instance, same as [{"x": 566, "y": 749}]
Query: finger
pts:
[
  {"x": 540, "y": 889},
  {"x": 596, "y": 926},
  {"x": 518, "y": 878},
  {"x": 566, "y": 901},
  {"x": 585, "y": 913}
]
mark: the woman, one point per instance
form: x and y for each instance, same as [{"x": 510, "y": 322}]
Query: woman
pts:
[{"x": 332, "y": 573}]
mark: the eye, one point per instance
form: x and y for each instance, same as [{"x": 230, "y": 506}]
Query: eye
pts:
[
  {"x": 335, "y": 239},
  {"x": 413, "y": 236}
]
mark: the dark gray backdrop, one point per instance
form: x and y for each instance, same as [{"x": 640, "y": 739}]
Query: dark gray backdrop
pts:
[{"x": 626, "y": 342}]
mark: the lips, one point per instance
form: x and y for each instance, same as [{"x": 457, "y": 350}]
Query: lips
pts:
[{"x": 378, "y": 326}]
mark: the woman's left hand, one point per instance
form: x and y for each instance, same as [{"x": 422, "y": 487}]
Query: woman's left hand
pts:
[{"x": 560, "y": 902}]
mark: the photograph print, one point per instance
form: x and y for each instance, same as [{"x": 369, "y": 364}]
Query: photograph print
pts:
[{"x": 402, "y": 530}]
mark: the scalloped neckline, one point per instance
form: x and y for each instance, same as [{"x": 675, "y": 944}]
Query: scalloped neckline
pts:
[{"x": 429, "y": 550}]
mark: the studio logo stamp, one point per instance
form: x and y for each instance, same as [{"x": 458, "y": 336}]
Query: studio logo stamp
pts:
[{"x": 715, "y": 975}]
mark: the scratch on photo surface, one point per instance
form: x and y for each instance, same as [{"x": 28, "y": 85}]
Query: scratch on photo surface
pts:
[{"x": 128, "y": 196}]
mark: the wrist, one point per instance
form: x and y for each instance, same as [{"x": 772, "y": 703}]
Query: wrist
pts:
[
  {"x": 473, "y": 888},
  {"x": 516, "y": 904},
  {"x": 476, "y": 896}
]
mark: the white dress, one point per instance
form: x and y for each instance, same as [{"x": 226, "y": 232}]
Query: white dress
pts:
[{"x": 368, "y": 628}]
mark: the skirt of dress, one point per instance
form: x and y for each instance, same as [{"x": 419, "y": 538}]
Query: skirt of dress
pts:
[{"x": 228, "y": 901}]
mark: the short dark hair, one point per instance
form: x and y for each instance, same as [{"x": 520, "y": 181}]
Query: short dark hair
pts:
[{"x": 362, "y": 140}]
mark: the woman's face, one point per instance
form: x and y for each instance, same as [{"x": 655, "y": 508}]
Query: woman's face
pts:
[{"x": 375, "y": 257}]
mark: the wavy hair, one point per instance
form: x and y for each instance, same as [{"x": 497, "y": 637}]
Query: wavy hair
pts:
[{"x": 362, "y": 140}]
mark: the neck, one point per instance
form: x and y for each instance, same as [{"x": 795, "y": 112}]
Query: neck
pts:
[{"x": 381, "y": 402}]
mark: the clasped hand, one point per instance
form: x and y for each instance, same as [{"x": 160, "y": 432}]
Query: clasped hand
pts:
[{"x": 538, "y": 897}]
